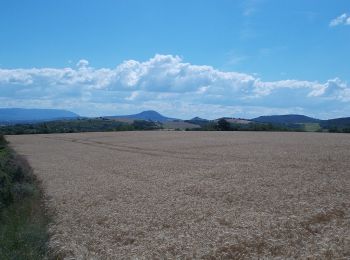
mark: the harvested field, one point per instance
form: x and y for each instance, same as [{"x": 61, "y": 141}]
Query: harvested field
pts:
[{"x": 195, "y": 195}]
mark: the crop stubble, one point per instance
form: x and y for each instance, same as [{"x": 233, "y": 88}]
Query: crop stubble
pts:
[{"x": 204, "y": 195}]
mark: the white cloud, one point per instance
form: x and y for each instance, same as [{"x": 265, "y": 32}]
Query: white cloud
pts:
[
  {"x": 165, "y": 81},
  {"x": 343, "y": 19},
  {"x": 82, "y": 63}
]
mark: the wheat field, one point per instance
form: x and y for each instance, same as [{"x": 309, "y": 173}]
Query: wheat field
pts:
[{"x": 194, "y": 195}]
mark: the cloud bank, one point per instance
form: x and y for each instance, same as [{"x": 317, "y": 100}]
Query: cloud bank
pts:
[{"x": 168, "y": 84}]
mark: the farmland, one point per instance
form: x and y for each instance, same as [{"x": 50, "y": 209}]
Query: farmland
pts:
[{"x": 204, "y": 195}]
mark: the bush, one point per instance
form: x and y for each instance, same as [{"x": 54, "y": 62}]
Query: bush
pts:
[
  {"x": 2, "y": 141},
  {"x": 5, "y": 190},
  {"x": 23, "y": 223}
]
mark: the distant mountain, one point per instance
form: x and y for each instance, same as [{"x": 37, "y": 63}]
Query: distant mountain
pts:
[
  {"x": 22, "y": 115},
  {"x": 337, "y": 122},
  {"x": 198, "y": 119},
  {"x": 149, "y": 115},
  {"x": 286, "y": 119}
]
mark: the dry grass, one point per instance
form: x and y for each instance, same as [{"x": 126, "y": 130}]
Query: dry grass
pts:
[
  {"x": 179, "y": 125},
  {"x": 195, "y": 195}
]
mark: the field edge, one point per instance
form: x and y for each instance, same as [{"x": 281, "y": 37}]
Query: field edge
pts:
[{"x": 24, "y": 219}]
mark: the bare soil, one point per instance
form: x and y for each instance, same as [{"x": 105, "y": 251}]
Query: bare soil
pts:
[{"x": 195, "y": 195}]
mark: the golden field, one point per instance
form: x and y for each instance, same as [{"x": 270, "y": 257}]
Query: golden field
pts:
[{"x": 194, "y": 195}]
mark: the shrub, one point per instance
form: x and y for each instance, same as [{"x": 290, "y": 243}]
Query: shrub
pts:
[
  {"x": 2, "y": 141},
  {"x": 23, "y": 228}
]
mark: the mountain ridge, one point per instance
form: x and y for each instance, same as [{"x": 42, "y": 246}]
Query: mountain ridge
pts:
[
  {"x": 150, "y": 115},
  {"x": 286, "y": 119},
  {"x": 24, "y": 115}
]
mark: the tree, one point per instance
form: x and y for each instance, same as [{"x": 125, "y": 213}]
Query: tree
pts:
[
  {"x": 223, "y": 125},
  {"x": 144, "y": 125}
]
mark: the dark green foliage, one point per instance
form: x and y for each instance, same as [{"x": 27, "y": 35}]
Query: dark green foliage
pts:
[
  {"x": 273, "y": 127},
  {"x": 279, "y": 123},
  {"x": 106, "y": 124},
  {"x": 77, "y": 126},
  {"x": 293, "y": 123},
  {"x": 16, "y": 179},
  {"x": 23, "y": 228},
  {"x": 2, "y": 141},
  {"x": 209, "y": 126},
  {"x": 337, "y": 125},
  {"x": 144, "y": 125},
  {"x": 334, "y": 129},
  {"x": 223, "y": 125}
]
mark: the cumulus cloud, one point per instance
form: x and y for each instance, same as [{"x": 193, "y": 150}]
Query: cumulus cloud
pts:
[
  {"x": 343, "y": 19},
  {"x": 166, "y": 83}
]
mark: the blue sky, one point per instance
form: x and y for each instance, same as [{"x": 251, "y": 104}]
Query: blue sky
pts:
[{"x": 183, "y": 58}]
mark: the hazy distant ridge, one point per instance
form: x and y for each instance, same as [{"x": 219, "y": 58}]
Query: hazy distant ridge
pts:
[
  {"x": 10, "y": 115},
  {"x": 286, "y": 119}
]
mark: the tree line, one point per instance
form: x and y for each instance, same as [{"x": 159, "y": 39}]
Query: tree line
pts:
[{"x": 77, "y": 126}]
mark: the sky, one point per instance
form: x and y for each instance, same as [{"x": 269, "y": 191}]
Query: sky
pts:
[{"x": 183, "y": 58}]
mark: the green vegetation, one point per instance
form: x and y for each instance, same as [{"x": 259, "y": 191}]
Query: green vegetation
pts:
[
  {"x": 78, "y": 126},
  {"x": 109, "y": 125},
  {"x": 337, "y": 129},
  {"x": 312, "y": 127},
  {"x": 23, "y": 223},
  {"x": 340, "y": 125},
  {"x": 144, "y": 125},
  {"x": 223, "y": 125}
]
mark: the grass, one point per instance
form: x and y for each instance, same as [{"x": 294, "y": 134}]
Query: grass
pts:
[
  {"x": 179, "y": 125},
  {"x": 312, "y": 127},
  {"x": 23, "y": 222}
]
